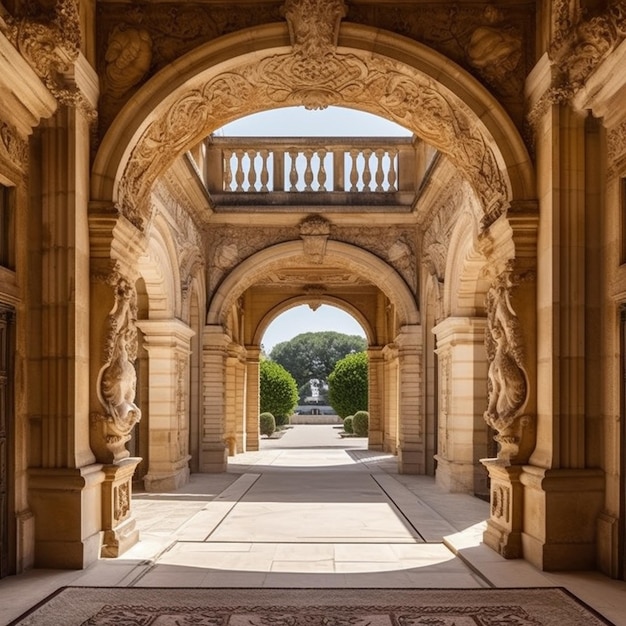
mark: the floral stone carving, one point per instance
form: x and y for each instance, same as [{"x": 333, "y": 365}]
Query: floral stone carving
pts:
[
  {"x": 507, "y": 379},
  {"x": 117, "y": 379}
]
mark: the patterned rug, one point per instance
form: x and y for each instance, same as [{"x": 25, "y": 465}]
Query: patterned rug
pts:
[{"x": 100, "y": 606}]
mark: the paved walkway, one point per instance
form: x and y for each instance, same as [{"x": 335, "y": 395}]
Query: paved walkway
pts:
[{"x": 310, "y": 510}]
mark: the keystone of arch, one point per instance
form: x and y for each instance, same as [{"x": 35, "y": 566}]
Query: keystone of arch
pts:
[
  {"x": 254, "y": 70},
  {"x": 353, "y": 258}
]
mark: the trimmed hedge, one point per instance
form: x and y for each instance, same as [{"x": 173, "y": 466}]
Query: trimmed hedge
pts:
[
  {"x": 347, "y": 424},
  {"x": 360, "y": 423},
  {"x": 267, "y": 424}
]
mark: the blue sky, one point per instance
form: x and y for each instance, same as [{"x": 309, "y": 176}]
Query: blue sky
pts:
[{"x": 298, "y": 122}]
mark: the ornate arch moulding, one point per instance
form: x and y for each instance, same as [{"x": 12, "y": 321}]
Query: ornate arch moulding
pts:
[
  {"x": 345, "y": 255},
  {"x": 252, "y": 70}
]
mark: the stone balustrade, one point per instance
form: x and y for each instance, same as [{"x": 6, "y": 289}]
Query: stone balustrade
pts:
[{"x": 236, "y": 170}]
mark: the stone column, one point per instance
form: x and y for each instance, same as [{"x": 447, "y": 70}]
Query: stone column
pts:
[
  {"x": 463, "y": 437},
  {"x": 563, "y": 492},
  {"x": 65, "y": 475},
  {"x": 376, "y": 400},
  {"x": 167, "y": 343},
  {"x": 213, "y": 449},
  {"x": 392, "y": 393},
  {"x": 411, "y": 443},
  {"x": 252, "y": 398},
  {"x": 234, "y": 408}
]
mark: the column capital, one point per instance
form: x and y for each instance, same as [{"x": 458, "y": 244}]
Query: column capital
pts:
[
  {"x": 164, "y": 332},
  {"x": 455, "y": 330}
]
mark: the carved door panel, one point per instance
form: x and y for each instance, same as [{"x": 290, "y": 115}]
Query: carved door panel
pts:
[{"x": 6, "y": 440}]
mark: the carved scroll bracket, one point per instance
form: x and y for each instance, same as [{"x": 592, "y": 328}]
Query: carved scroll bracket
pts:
[{"x": 50, "y": 42}]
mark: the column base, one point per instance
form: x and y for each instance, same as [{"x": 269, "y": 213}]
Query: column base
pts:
[
  {"x": 455, "y": 477},
  {"x": 70, "y": 540},
  {"x": 561, "y": 512},
  {"x": 117, "y": 521},
  {"x": 167, "y": 480},
  {"x": 213, "y": 459},
  {"x": 410, "y": 460}
]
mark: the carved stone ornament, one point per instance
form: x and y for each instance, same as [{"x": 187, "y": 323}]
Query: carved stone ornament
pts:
[
  {"x": 374, "y": 84},
  {"x": 507, "y": 380},
  {"x": 117, "y": 379},
  {"x": 314, "y": 232},
  {"x": 314, "y": 26},
  {"x": 13, "y": 148},
  {"x": 579, "y": 46},
  {"x": 616, "y": 148},
  {"x": 50, "y": 42},
  {"x": 315, "y": 295}
]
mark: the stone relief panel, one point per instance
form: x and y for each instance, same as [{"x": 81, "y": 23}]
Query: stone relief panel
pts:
[
  {"x": 117, "y": 379},
  {"x": 13, "y": 149},
  {"x": 147, "y": 36},
  {"x": 616, "y": 149},
  {"x": 394, "y": 244},
  {"x": 496, "y": 45}
]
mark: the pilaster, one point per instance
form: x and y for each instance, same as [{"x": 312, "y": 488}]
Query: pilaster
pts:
[
  {"x": 463, "y": 434},
  {"x": 213, "y": 450},
  {"x": 376, "y": 403},
  {"x": 252, "y": 398},
  {"x": 411, "y": 443},
  {"x": 168, "y": 345},
  {"x": 391, "y": 382}
]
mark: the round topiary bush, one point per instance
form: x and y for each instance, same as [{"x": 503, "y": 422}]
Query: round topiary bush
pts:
[
  {"x": 347, "y": 424},
  {"x": 281, "y": 420},
  {"x": 267, "y": 424},
  {"x": 360, "y": 423}
]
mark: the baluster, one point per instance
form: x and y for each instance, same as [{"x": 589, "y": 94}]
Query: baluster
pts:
[
  {"x": 227, "y": 172},
  {"x": 367, "y": 173},
  {"x": 239, "y": 175},
  {"x": 293, "y": 172},
  {"x": 392, "y": 176},
  {"x": 252, "y": 173},
  {"x": 354, "y": 172},
  {"x": 308, "y": 170},
  {"x": 380, "y": 174},
  {"x": 321, "y": 174},
  {"x": 265, "y": 175},
  {"x": 339, "y": 166}
]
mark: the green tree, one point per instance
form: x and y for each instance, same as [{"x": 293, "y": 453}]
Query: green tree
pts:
[
  {"x": 347, "y": 384},
  {"x": 278, "y": 392},
  {"x": 314, "y": 355}
]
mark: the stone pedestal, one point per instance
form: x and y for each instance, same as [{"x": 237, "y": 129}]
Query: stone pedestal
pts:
[
  {"x": 561, "y": 510},
  {"x": 66, "y": 504},
  {"x": 504, "y": 526},
  {"x": 117, "y": 521}
]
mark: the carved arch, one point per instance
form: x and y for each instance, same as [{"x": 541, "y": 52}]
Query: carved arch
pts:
[
  {"x": 158, "y": 267},
  {"x": 372, "y": 70},
  {"x": 466, "y": 286},
  {"x": 344, "y": 255},
  {"x": 273, "y": 313}
]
